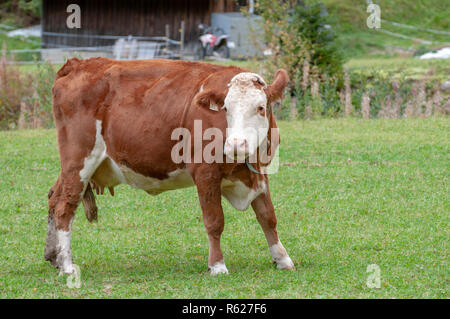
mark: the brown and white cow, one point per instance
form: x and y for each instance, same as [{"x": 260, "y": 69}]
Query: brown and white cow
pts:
[{"x": 115, "y": 122}]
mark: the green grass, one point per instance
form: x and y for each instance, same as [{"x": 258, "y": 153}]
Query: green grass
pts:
[
  {"x": 408, "y": 68},
  {"x": 349, "y": 193},
  {"x": 16, "y": 43}
]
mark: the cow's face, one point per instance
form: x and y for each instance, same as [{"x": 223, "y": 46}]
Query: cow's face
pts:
[
  {"x": 246, "y": 110},
  {"x": 249, "y": 120}
]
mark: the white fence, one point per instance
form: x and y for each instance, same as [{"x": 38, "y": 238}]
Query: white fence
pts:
[{"x": 124, "y": 48}]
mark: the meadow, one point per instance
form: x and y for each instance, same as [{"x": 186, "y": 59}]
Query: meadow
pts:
[{"x": 349, "y": 193}]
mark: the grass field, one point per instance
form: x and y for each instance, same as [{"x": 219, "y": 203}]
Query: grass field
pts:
[{"x": 349, "y": 193}]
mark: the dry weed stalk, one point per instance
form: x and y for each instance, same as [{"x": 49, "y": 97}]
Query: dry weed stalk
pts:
[
  {"x": 410, "y": 110},
  {"x": 420, "y": 99},
  {"x": 348, "y": 108},
  {"x": 397, "y": 104},
  {"x": 365, "y": 106}
]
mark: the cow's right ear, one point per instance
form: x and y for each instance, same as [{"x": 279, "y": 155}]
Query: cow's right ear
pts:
[{"x": 210, "y": 99}]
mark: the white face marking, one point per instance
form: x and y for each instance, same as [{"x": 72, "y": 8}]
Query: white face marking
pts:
[
  {"x": 239, "y": 195},
  {"x": 244, "y": 121},
  {"x": 280, "y": 256},
  {"x": 64, "y": 258},
  {"x": 218, "y": 268}
]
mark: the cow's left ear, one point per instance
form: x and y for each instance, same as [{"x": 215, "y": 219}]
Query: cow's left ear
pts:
[
  {"x": 210, "y": 99},
  {"x": 273, "y": 136},
  {"x": 275, "y": 90}
]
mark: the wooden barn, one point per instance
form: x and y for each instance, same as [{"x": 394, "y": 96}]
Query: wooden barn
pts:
[{"x": 145, "y": 18}]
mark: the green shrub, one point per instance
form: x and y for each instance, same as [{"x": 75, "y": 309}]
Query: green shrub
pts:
[
  {"x": 25, "y": 97},
  {"x": 41, "y": 100},
  {"x": 15, "y": 87},
  {"x": 20, "y": 13},
  {"x": 297, "y": 35}
]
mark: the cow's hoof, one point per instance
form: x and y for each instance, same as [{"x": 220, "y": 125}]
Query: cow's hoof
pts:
[
  {"x": 285, "y": 263},
  {"x": 67, "y": 270},
  {"x": 218, "y": 268}
]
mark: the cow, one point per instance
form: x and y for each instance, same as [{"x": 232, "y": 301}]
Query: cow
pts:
[{"x": 115, "y": 122}]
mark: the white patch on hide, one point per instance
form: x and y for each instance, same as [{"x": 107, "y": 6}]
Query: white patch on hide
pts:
[
  {"x": 98, "y": 154},
  {"x": 280, "y": 256},
  {"x": 218, "y": 268},
  {"x": 177, "y": 179},
  {"x": 239, "y": 195}
]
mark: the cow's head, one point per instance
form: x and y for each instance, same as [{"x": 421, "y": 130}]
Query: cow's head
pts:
[
  {"x": 249, "y": 118},
  {"x": 249, "y": 115}
]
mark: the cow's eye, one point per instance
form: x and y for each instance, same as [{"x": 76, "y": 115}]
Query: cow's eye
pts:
[
  {"x": 260, "y": 109},
  {"x": 225, "y": 109}
]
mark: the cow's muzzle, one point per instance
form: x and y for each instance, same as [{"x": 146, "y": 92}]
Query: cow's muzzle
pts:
[{"x": 236, "y": 148}]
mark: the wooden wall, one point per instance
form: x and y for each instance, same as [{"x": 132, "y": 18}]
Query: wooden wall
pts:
[{"x": 127, "y": 17}]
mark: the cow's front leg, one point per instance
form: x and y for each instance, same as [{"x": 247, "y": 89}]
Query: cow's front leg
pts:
[
  {"x": 262, "y": 205},
  {"x": 210, "y": 201}
]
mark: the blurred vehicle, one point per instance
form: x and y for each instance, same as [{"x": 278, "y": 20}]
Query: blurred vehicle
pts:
[{"x": 213, "y": 41}]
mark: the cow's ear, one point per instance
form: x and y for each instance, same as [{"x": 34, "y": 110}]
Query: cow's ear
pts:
[
  {"x": 273, "y": 140},
  {"x": 275, "y": 90},
  {"x": 210, "y": 99},
  {"x": 273, "y": 136}
]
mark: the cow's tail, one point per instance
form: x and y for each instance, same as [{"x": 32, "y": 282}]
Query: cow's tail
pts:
[
  {"x": 90, "y": 208},
  {"x": 68, "y": 67}
]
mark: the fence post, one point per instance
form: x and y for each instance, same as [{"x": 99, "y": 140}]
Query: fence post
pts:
[
  {"x": 167, "y": 38},
  {"x": 182, "y": 39}
]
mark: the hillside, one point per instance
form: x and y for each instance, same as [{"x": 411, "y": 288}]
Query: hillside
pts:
[{"x": 349, "y": 17}]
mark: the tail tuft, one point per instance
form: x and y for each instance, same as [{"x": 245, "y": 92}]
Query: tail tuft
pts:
[{"x": 90, "y": 208}]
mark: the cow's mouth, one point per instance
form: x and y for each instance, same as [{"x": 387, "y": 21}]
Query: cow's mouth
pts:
[
  {"x": 238, "y": 157},
  {"x": 245, "y": 156}
]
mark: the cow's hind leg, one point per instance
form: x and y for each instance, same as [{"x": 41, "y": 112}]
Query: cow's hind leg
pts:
[
  {"x": 262, "y": 205},
  {"x": 62, "y": 205},
  {"x": 50, "y": 244},
  {"x": 77, "y": 166}
]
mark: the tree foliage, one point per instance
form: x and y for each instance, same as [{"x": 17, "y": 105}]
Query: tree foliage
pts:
[
  {"x": 20, "y": 12},
  {"x": 298, "y": 37}
]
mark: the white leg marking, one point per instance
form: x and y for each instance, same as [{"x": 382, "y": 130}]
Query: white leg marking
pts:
[
  {"x": 64, "y": 257},
  {"x": 280, "y": 256},
  {"x": 218, "y": 268}
]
